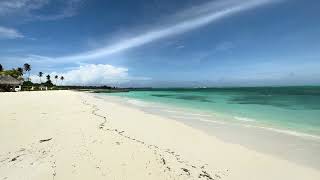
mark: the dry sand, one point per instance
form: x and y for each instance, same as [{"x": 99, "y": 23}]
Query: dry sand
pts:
[{"x": 74, "y": 135}]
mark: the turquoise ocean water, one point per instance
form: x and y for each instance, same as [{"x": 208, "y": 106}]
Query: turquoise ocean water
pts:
[{"x": 291, "y": 109}]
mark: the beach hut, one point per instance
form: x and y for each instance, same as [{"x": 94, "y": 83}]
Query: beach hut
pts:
[
  {"x": 43, "y": 88},
  {"x": 9, "y": 83}
]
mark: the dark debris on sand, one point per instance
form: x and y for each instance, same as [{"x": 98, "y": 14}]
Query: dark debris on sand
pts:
[{"x": 45, "y": 140}]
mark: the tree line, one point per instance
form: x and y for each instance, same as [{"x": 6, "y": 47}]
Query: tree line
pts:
[{"x": 20, "y": 71}]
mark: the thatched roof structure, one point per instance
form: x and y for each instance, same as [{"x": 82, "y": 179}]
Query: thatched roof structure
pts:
[{"x": 9, "y": 80}]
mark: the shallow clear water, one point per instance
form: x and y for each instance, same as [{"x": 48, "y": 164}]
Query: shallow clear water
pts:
[{"x": 288, "y": 108}]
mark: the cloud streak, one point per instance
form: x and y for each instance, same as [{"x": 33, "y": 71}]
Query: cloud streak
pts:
[
  {"x": 9, "y": 33},
  {"x": 24, "y": 10},
  {"x": 8, "y": 7},
  {"x": 197, "y": 17}
]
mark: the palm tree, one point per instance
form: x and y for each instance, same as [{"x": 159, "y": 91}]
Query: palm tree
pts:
[
  {"x": 20, "y": 70},
  {"x": 56, "y": 77},
  {"x": 27, "y": 68},
  {"x": 1, "y": 68},
  {"x": 48, "y": 77},
  {"x": 61, "y": 78},
  {"x": 40, "y": 75}
]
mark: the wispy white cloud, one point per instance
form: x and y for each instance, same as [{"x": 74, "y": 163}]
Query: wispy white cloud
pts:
[
  {"x": 26, "y": 9},
  {"x": 8, "y": 7},
  {"x": 94, "y": 74},
  {"x": 69, "y": 9},
  {"x": 196, "y": 17},
  {"x": 9, "y": 33}
]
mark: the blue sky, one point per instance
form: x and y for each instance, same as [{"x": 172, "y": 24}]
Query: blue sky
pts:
[{"x": 164, "y": 42}]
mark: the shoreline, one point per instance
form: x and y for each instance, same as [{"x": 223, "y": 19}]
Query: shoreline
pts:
[
  {"x": 284, "y": 144},
  {"x": 291, "y": 112},
  {"x": 73, "y": 135},
  {"x": 238, "y": 120}
]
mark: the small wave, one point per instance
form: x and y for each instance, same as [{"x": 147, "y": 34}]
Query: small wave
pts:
[
  {"x": 186, "y": 113},
  {"x": 282, "y": 131},
  {"x": 172, "y": 111},
  {"x": 212, "y": 121},
  {"x": 244, "y": 119},
  {"x": 196, "y": 114},
  {"x": 289, "y": 132},
  {"x": 137, "y": 102}
]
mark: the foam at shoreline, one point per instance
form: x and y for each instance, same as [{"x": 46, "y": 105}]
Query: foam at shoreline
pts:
[{"x": 184, "y": 113}]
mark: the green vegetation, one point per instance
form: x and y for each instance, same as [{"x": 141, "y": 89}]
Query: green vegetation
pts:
[
  {"x": 16, "y": 72},
  {"x": 56, "y": 78},
  {"x": 27, "y": 68},
  {"x": 61, "y": 78},
  {"x": 13, "y": 72},
  {"x": 40, "y": 75},
  {"x": 27, "y": 84}
]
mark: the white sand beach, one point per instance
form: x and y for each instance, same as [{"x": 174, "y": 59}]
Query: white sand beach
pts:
[{"x": 64, "y": 135}]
